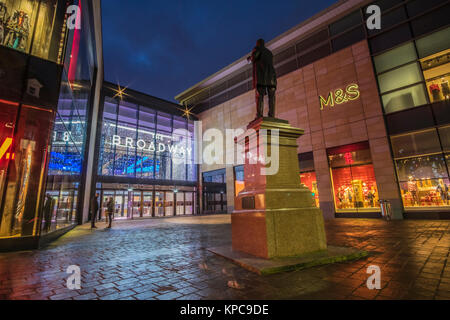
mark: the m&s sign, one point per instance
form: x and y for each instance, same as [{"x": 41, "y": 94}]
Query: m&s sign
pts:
[{"x": 340, "y": 96}]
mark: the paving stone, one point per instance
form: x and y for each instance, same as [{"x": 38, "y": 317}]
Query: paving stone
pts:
[{"x": 167, "y": 259}]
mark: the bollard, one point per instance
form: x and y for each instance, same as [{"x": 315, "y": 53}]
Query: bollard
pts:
[{"x": 385, "y": 206}]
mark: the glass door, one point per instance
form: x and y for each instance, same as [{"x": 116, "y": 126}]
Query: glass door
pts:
[
  {"x": 188, "y": 202},
  {"x": 147, "y": 204},
  {"x": 105, "y": 198},
  {"x": 169, "y": 210},
  {"x": 180, "y": 204},
  {"x": 159, "y": 204}
]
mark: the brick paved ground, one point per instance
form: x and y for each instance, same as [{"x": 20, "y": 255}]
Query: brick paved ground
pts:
[{"x": 166, "y": 259}]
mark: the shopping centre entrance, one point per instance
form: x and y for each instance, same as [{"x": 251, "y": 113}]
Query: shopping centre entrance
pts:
[{"x": 145, "y": 201}]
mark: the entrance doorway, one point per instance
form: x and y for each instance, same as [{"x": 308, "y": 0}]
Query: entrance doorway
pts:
[{"x": 132, "y": 203}]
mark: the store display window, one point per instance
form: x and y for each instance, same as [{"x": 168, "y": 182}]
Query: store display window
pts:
[
  {"x": 19, "y": 19},
  {"x": 25, "y": 174},
  {"x": 309, "y": 180},
  {"x": 353, "y": 177},
  {"x": 436, "y": 71},
  {"x": 307, "y": 174},
  {"x": 422, "y": 168}
]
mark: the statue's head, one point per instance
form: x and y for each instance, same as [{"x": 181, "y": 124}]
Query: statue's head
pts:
[{"x": 260, "y": 43}]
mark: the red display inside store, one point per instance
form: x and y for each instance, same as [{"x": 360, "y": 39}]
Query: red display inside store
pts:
[{"x": 355, "y": 187}]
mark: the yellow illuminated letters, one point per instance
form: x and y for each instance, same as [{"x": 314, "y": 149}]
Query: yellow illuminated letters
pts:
[{"x": 339, "y": 96}]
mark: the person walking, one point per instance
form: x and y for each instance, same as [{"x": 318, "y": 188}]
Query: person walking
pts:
[
  {"x": 48, "y": 211},
  {"x": 94, "y": 210},
  {"x": 110, "y": 211}
]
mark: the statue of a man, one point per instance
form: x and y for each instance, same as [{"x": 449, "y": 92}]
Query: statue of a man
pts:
[{"x": 264, "y": 77}]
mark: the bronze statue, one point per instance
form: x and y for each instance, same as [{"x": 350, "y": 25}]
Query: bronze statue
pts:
[{"x": 264, "y": 78}]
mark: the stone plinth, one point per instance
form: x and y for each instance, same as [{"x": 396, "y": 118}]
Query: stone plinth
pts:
[{"x": 275, "y": 215}]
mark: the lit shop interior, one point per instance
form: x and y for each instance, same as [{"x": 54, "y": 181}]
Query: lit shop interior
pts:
[{"x": 422, "y": 162}]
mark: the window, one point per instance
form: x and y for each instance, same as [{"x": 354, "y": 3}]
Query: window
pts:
[
  {"x": 217, "y": 176},
  {"x": 434, "y": 43},
  {"x": 422, "y": 169},
  {"x": 18, "y": 19},
  {"x": 33, "y": 128},
  {"x": 50, "y": 29},
  {"x": 399, "y": 77},
  {"x": 353, "y": 178},
  {"x": 308, "y": 175},
  {"x": 431, "y": 21},
  {"x": 404, "y": 98},
  {"x": 395, "y": 57},
  {"x": 239, "y": 182},
  {"x": 346, "y": 23},
  {"x": 423, "y": 142},
  {"x": 436, "y": 71},
  {"x": 130, "y": 145}
]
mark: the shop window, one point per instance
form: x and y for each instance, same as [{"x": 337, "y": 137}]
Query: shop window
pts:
[
  {"x": 404, "y": 98},
  {"x": 17, "y": 19},
  {"x": 25, "y": 175},
  {"x": 395, "y": 57},
  {"x": 423, "y": 181},
  {"x": 399, "y": 77},
  {"x": 421, "y": 169},
  {"x": 436, "y": 71},
  {"x": 424, "y": 142},
  {"x": 434, "y": 43},
  {"x": 48, "y": 40},
  {"x": 307, "y": 174},
  {"x": 310, "y": 181},
  {"x": 8, "y": 113},
  {"x": 353, "y": 178}
]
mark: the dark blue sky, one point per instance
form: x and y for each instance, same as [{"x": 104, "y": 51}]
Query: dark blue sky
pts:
[{"x": 164, "y": 47}]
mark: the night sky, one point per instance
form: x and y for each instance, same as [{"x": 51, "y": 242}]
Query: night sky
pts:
[{"x": 164, "y": 47}]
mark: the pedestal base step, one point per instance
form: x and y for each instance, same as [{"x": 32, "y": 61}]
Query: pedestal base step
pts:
[{"x": 270, "y": 266}]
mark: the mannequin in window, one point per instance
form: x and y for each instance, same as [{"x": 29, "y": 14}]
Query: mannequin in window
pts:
[
  {"x": 435, "y": 91},
  {"x": 412, "y": 188},
  {"x": 442, "y": 190}
]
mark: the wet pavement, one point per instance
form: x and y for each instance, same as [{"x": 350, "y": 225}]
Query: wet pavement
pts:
[{"x": 167, "y": 259}]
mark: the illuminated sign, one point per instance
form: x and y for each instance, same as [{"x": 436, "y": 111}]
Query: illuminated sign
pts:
[
  {"x": 340, "y": 96},
  {"x": 5, "y": 147},
  {"x": 127, "y": 142}
]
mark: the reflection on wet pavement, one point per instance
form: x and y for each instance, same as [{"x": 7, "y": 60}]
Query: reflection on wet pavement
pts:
[{"x": 167, "y": 259}]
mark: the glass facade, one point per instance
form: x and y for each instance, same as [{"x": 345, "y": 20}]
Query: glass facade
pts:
[
  {"x": 421, "y": 160},
  {"x": 353, "y": 178},
  {"x": 140, "y": 142},
  {"x": 25, "y": 136},
  {"x": 214, "y": 190},
  {"x": 68, "y": 140},
  {"x": 415, "y": 73}
]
